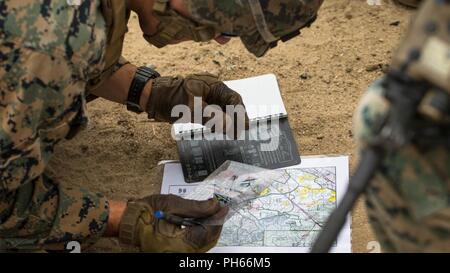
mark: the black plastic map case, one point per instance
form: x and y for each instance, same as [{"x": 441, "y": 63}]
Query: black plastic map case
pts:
[{"x": 199, "y": 158}]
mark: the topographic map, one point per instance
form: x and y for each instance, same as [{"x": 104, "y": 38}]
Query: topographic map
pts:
[
  {"x": 289, "y": 213},
  {"x": 272, "y": 211}
]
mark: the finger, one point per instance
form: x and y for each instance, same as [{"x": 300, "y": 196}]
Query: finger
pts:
[
  {"x": 232, "y": 123},
  {"x": 216, "y": 120},
  {"x": 196, "y": 209},
  {"x": 206, "y": 237},
  {"x": 184, "y": 207},
  {"x": 233, "y": 126},
  {"x": 199, "y": 84},
  {"x": 217, "y": 219},
  {"x": 237, "y": 121},
  {"x": 211, "y": 116},
  {"x": 231, "y": 103},
  {"x": 222, "y": 39},
  {"x": 203, "y": 105},
  {"x": 222, "y": 95}
]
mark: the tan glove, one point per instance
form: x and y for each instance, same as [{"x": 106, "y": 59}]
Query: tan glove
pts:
[
  {"x": 140, "y": 227},
  {"x": 168, "y": 92}
]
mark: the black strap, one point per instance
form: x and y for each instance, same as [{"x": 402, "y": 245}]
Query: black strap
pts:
[{"x": 142, "y": 76}]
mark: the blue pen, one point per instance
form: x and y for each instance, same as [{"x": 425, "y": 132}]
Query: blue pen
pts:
[{"x": 175, "y": 219}]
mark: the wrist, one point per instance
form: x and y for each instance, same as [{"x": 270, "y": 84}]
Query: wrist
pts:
[
  {"x": 116, "y": 211},
  {"x": 145, "y": 96},
  {"x": 140, "y": 89},
  {"x": 136, "y": 213}
]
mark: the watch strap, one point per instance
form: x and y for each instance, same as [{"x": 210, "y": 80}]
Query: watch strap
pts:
[{"x": 142, "y": 76}]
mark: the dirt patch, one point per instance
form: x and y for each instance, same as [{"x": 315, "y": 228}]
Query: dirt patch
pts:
[{"x": 322, "y": 76}]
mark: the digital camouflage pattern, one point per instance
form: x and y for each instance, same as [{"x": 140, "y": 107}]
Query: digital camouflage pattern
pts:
[
  {"x": 408, "y": 201},
  {"x": 283, "y": 17},
  {"x": 48, "y": 51}
]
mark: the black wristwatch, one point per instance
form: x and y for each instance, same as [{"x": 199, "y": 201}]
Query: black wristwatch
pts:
[{"x": 142, "y": 76}]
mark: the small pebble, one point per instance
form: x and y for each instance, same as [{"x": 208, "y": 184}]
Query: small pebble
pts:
[
  {"x": 305, "y": 76},
  {"x": 372, "y": 67}
]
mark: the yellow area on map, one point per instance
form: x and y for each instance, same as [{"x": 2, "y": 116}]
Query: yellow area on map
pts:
[
  {"x": 265, "y": 192},
  {"x": 332, "y": 197},
  {"x": 305, "y": 191},
  {"x": 306, "y": 176}
]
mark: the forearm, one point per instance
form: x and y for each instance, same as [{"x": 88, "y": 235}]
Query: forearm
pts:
[{"x": 117, "y": 86}]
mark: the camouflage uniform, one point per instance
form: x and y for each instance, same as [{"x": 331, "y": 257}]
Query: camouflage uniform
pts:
[
  {"x": 408, "y": 203},
  {"x": 48, "y": 51},
  {"x": 278, "y": 20},
  {"x": 408, "y": 200}
]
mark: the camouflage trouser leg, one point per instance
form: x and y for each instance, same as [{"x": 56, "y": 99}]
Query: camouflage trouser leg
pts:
[
  {"x": 408, "y": 201},
  {"x": 48, "y": 50}
]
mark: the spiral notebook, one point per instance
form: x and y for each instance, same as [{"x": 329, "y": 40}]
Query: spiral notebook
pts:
[{"x": 261, "y": 96}]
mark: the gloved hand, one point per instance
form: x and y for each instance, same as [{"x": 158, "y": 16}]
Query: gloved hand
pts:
[
  {"x": 168, "y": 92},
  {"x": 140, "y": 227},
  {"x": 370, "y": 115}
]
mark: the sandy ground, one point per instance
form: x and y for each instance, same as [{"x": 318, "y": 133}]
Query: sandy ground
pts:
[{"x": 322, "y": 76}]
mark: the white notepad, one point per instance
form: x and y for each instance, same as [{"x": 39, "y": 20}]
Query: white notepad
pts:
[{"x": 262, "y": 100}]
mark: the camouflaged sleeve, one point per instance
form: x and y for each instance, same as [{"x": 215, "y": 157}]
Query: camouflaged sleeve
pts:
[
  {"x": 48, "y": 50},
  {"x": 408, "y": 201},
  {"x": 89, "y": 95}
]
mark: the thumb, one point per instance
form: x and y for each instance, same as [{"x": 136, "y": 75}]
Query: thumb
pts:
[
  {"x": 222, "y": 123},
  {"x": 183, "y": 207},
  {"x": 216, "y": 120},
  {"x": 196, "y": 209},
  {"x": 205, "y": 237}
]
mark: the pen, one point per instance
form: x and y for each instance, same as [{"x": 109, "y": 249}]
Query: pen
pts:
[{"x": 175, "y": 219}]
